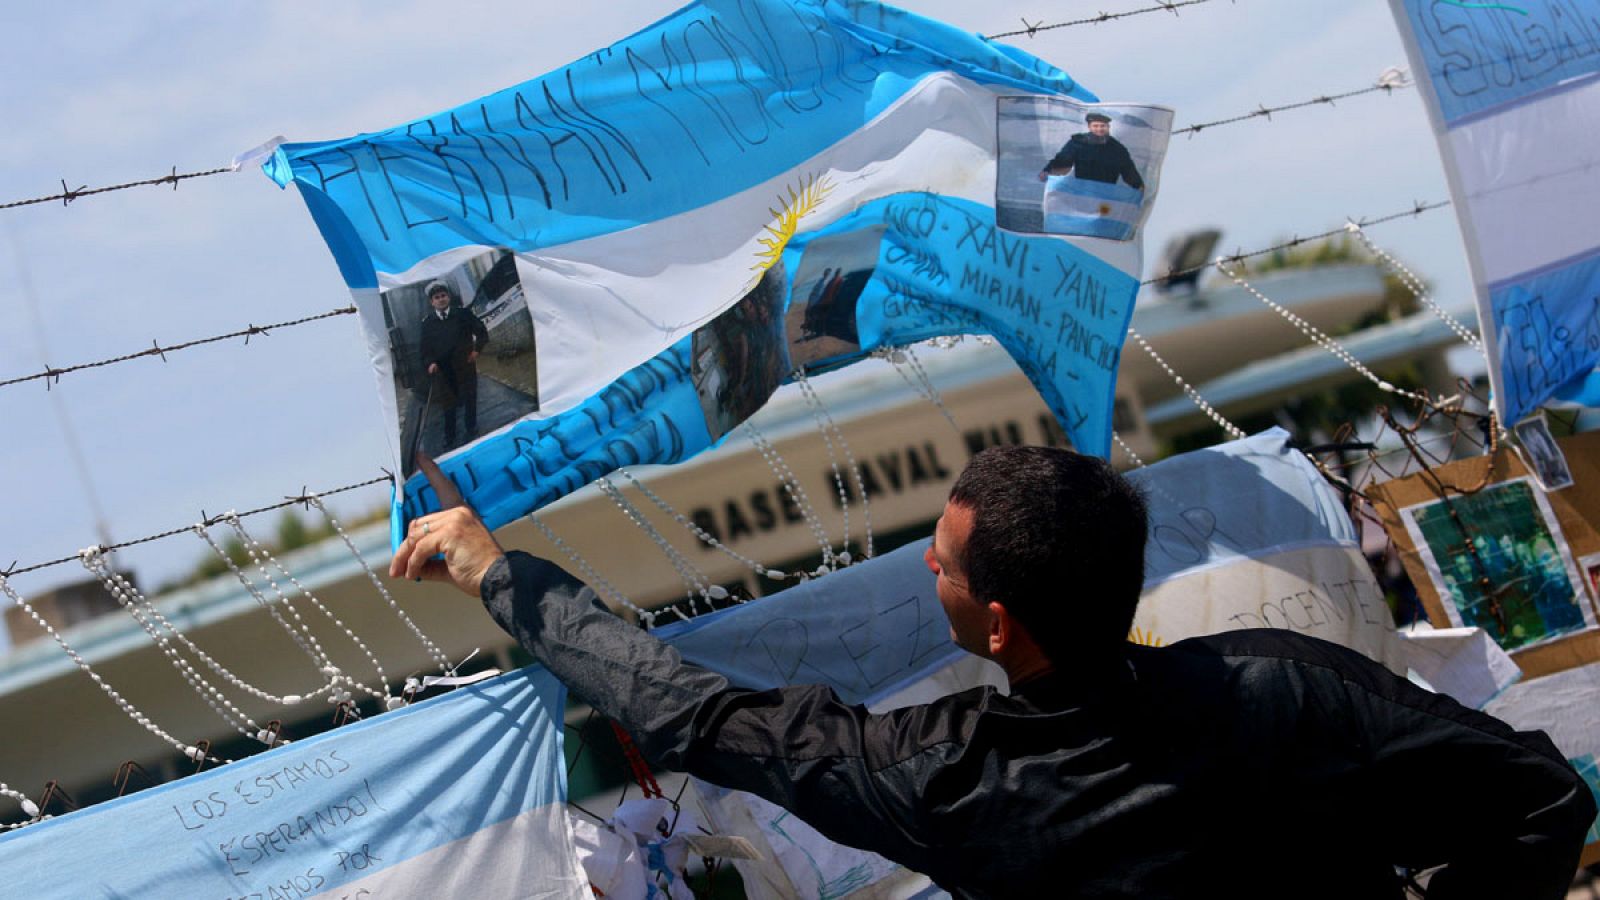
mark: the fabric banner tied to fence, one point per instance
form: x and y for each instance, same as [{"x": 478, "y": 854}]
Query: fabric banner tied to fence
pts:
[
  {"x": 464, "y": 795},
  {"x": 619, "y": 261},
  {"x": 460, "y": 796},
  {"x": 1514, "y": 93}
]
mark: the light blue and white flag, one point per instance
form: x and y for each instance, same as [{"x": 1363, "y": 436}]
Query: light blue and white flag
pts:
[
  {"x": 1514, "y": 93},
  {"x": 1074, "y": 205},
  {"x": 1248, "y": 534},
  {"x": 617, "y": 262},
  {"x": 460, "y": 796}
]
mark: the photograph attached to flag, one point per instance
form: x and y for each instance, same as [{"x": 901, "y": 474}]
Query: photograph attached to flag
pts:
[{"x": 617, "y": 262}]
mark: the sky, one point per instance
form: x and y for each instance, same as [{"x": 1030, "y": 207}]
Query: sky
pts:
[{"x": 98, "y": 93}]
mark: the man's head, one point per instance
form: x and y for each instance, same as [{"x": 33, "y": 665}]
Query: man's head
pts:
[
  {"x": 439, "y": 296},
  {"x": 1055, "y": 537},
  {"x": 1099, "y": 124}
]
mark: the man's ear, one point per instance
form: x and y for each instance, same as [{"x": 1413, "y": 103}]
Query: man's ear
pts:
[{"x": 1002, "y": 629}]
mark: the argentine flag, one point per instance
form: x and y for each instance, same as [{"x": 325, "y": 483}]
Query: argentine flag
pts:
[
  {"x": 1514, "y": 95},
  {"x": 459, "y": 796},
  {"x": 654, "y": 236},
  {"x": 1074, "y": 205}
]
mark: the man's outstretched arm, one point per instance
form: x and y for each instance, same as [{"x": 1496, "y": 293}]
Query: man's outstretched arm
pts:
[{"x": 799, "y": 747}]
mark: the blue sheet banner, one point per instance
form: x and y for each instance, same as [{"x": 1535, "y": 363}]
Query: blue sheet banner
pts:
[
  {"x": 1243, "y": 499},
  {"x": 618, "y": 262},
  {"x": 1514, "y": 93},
  {"x": 888, "y": 634},
  {"x": 461, "y": 795}
]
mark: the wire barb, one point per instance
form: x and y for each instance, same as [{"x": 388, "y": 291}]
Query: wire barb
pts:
[
  {"x": 53, "y": 375},
  {"x": 1262, "y": 111},
  {"x": 1170, "y": 6},
  {"x": 68, "y": 195},
  {"x": 206, "y": 520},
  {"x": 1240, "y": 255}
]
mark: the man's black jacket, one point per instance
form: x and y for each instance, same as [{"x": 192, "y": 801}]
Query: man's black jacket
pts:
[
  {"x": 1247, "y": 764},
  {"x": 1103, "y": 160}
]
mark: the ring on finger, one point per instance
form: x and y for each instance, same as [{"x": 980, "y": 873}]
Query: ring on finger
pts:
[{"x": 425, "y": 527}]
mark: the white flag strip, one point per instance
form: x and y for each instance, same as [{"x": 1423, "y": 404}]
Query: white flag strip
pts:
[
  {"x": 460, "y": 795},
  {"x": 1514, "y": 94}
]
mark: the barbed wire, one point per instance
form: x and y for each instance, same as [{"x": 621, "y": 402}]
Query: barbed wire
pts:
[
  {"x": 1267, "y": 111},
  {"x": 304, "y": 497},
  {"x": 1030, "y": 29},
  {"x": 1239, "y": 256},
  {"x": 68, "y": 195},
  {"x": 52, "y": 374}
]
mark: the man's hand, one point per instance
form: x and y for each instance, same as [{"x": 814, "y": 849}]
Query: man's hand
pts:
[
  {"x": 472, "y": 356},
  {"x": 433, "y": 368},
  {"x": 455, "y": 532}
]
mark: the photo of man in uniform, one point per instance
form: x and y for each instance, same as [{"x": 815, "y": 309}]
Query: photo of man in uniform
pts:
[
  {"x": 452, "y": 338},
  {"x": 1095, "y": 155}
]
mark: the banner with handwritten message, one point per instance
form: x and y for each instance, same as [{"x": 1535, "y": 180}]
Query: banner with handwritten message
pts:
[
  {"x": 460, "y": 796},
  {"x": 1248, "y": 534},
  {"x": 619, "y": 261},
  {"x": 1514, "y": 93}
]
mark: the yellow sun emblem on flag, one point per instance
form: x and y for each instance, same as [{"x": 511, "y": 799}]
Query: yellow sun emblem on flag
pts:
[
  {"x": 1147, "y": 638},
  {"x": 803, "y": 200}
]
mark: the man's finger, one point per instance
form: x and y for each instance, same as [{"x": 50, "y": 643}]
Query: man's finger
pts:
[
  {"x": 423, "y": 549},
  {"x": 443, "y": 487}
]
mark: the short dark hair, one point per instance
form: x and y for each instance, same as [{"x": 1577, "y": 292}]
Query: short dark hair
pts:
[{"x": 1057, "y": 539}]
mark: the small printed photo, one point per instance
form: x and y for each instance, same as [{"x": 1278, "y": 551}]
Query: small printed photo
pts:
[
  {"x": 834, "y": 269},
  {"x": 1591, "y": 572},
  {"x": 1499, "y": 562},
  {"x": 461, "y": 345},
  {"x": 739, "y": 357},
  {"x": 1090, "y": 170},
  {"x": 1543, "y": 456}
]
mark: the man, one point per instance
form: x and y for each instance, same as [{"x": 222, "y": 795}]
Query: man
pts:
[
  {"x": 1248, "y": 764},
  {"x": 452, "y": 337},
  {"x": 1095, "y": 156}
]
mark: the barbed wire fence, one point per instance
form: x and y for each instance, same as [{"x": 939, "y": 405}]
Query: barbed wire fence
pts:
[{"x": 1457, "y": 429}]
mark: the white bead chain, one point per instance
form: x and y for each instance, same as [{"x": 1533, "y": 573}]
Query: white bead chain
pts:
[
  {"x": 428, "y": 645},
  {"x": 929, "y": 390},
  {"x": 1318, "y": 338},
  {"x": 142, "y": 606},
  {"x": 791, "y": 484},
  {"x": 798, "y": 376},
  {"x": 825, "y": 424},
  {"x": 29, "y": 808},
  {"x": 130, "y": 599},
  {"x": 139, "y": 718},
  {"x": 302, "y": 634},
  {"x": 1194, "y": 395},
  {"x": 1137, "y": 462},
  {"x": 701, "y": 533},
  {"x": 1414, "y": 284},
  {"x": 694, "y": 581},
  {"x": 260, "y": 556},
  {"x": 590, "y": 576}
]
